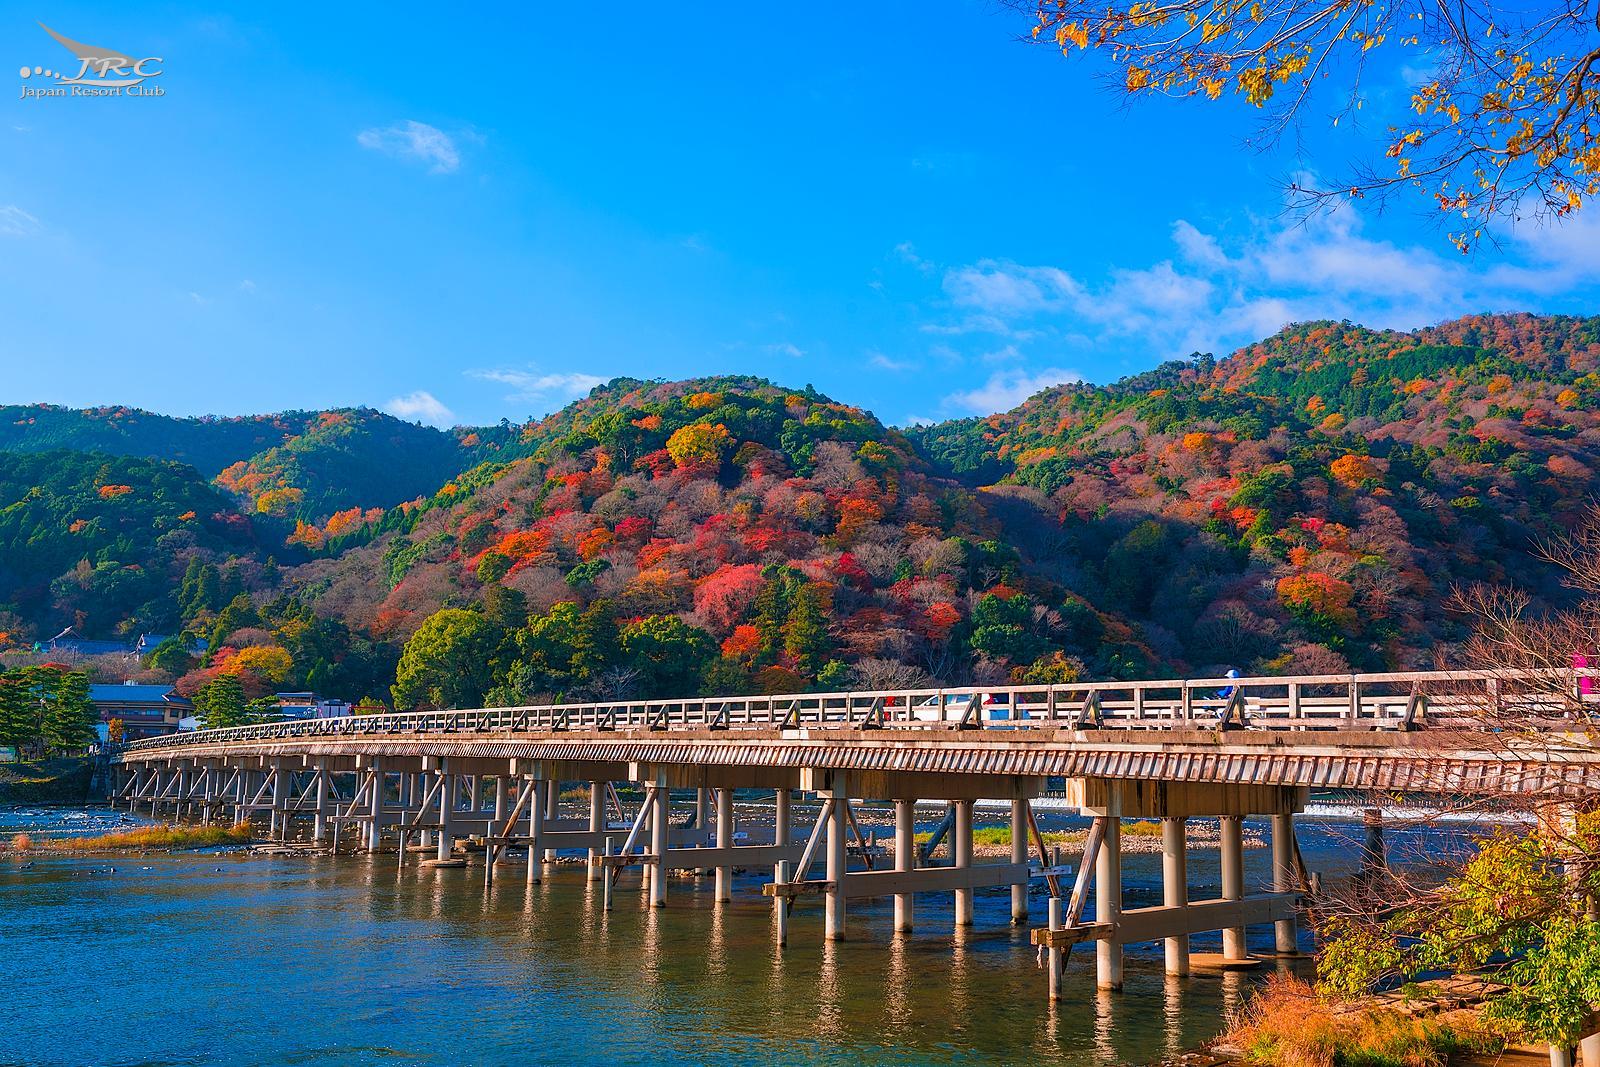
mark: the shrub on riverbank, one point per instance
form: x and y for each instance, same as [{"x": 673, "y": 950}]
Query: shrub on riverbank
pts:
[
  {"x": 143, "y": 839},
  {"x": 1287, "y": 1024}
]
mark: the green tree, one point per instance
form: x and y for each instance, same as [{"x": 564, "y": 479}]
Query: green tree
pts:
[
  {"x": 220, "y": 703},
  {"x": 448, "y": 662},
  {"x": 1000, "y": 628},
  {"x": 669, "y": 654},
  {"x": 201, "y": 590},
  {"x": 240, "y": 612},
  {"x": 805, "y": 633},
  {"x": 170, "y": 656},
  {"x": 19, "y": 711},
  {"x": 595, "y": 645},
  {"x": 1517, "y": 913},
  {"x": 69, "y": 715}
]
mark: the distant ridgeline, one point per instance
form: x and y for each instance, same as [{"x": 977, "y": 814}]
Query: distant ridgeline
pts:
[{"x": 1306, "y": 504}]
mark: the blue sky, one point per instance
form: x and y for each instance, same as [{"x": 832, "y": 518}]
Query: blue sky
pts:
[{"x": 473, "y": 217}]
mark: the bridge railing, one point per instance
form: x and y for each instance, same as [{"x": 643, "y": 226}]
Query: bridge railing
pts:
[{"x": 1394, "y": 700}]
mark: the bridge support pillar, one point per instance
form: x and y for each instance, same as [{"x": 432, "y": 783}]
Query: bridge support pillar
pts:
[
  {"x": 597, "y": 823},
  {"x": 1285, "y": 933},
  {"x": 724, "y": 840},
  {"x": 661, "y": 799},
  {"x": 1232, "y": 848},
  {"x": 1175, "y": 887},
  {"x": 280, "y": 800},
  {"x": 241, "y": 790},
  {"x": 210, "y": 800},
  {"x": 319, "y": 820},
  {"x": 905, "y": 860},
  {"x": 536, "y": 831},
  {"x": 782, "y": 833},
  {"x": 1108, "y": 901},
  {"x": 375, "y": 805},
  {"x": 703, "y": 818},
  {"x": 961, "y": 858},
  {"x": 838, "y": 859},
  {"x": 447, "y": 801},
  {"x": 1019, "y": 854},
  {"x": 552, "y": 809}
]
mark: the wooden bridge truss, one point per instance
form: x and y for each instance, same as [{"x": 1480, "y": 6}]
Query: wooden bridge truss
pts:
[{"x": 1168, "y": 750}]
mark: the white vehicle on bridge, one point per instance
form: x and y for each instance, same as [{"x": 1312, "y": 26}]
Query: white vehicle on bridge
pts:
[{"x": 995, "y": 711}]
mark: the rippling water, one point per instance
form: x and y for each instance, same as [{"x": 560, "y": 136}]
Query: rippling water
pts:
[{"x": 233, "y": 958}]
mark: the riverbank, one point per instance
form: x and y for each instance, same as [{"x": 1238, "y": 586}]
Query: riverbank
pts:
[
  {"x": 1437, "y": 1023},
  {"x": 55, "y": 781}
]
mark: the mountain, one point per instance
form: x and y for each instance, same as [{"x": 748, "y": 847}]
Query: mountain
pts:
[
  {"x": 295, "y": 464},
  {"x": 795, "y": 534},
  {"x": 1308, "y": 503},
  {"x": 1322, "y": 491},
  {"x": 99, "y": 542}
]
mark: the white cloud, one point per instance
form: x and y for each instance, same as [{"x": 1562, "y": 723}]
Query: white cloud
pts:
[
  {"x": 1218, "y": 291},
  {"x": 414, "y": 140},
  {"x": 1000, "y": 288},
  {"x": 918, "y": 420},
  {"x": 15, "y": 222},
  {"x": 906, "y": 252},
  {"x": 1006, "y": 389},
  {"x": 421, "y": 406},
  {"x": 247, "y": 286},
  {"x": 532, "y": 387},
  {"x": 784, "y": 348},
  {"x": 883, "y": 362},
  {"x": 1198, "y": 248}
]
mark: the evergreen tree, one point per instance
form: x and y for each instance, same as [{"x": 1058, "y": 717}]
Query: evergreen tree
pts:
[
  {"x": 69, "y": 714},
  {"x": 220, "y": 702},
  {"x": 170, "y": 656},
  {"x": 19, "y": 718},
  {"x": 594, "y": 645},
  {"x": 805, "y": 634},
  {"x": 239, "y": 613}
]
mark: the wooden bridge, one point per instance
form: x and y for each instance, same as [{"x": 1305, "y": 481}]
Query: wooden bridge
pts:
[{"x": 1224, "y": 748}]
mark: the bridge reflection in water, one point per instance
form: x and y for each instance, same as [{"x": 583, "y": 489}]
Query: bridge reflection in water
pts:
[{"x": 1169, "y": 750}]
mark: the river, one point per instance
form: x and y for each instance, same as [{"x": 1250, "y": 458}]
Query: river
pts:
[{"x": 229, "y": 957}]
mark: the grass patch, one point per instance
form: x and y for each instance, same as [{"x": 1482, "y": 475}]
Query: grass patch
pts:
[
  {"x": 1287, "y": 1024},
  {"x": 998, "y": 836},
  {"x": 143, "y": 839}
]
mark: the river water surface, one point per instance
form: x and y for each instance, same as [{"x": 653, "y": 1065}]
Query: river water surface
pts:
[{"x": 236, "y": 958}]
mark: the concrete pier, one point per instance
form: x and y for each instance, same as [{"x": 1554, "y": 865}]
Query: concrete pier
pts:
[
  {"x": 905, "y": 861},
  {"x": 1108, "y": 904},
  {"x": 1285, "y": 932},
  {"x": 1019, "y": 854},
  {"x": 962, "y": 859},
  {"x": 1232, "y": 857},
  {"x": 1175, "y": 888},
  {"x": 724, "y": 843}
]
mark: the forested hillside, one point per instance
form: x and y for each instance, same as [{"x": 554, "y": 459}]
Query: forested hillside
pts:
[
  {"x": 100, "y": 542},
  {"x": 1308, "y": 503},
  {"x": 294, "y": 465},
  {"x": 1320, "y": 492}
]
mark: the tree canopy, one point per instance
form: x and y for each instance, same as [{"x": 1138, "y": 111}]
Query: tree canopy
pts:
[{"x": 1504, "y": 115}]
